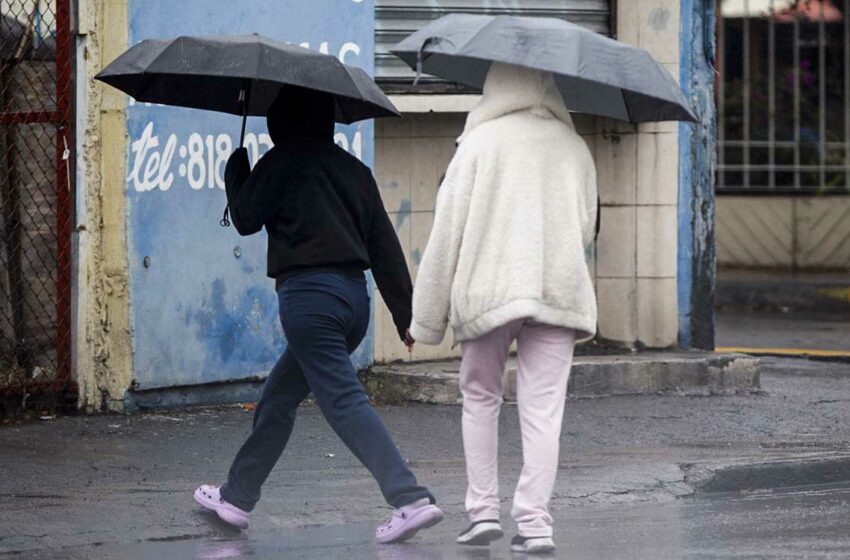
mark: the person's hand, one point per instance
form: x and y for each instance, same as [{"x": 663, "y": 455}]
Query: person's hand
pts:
[
  {"x": 408, "y": 340},
  {"x": 238, "y": 168}
]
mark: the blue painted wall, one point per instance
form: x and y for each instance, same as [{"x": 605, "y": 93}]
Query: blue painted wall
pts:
[
  {"x": 697, "y": 142},
  {"x": 202, "y": 308}
]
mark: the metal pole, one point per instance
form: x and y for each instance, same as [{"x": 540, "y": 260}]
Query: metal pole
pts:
[
  {"x": 771, "y": 97},
  {"x": 796, "y": 103},
  {"x": 245, "y": 98},
  {"x": 746, "y": 94},
  {"x": 64, "y": 196},
  {"x": 847, "y": 95},
  {"x": 822, "y": 96},
  {"x": 721, "y": 97}
]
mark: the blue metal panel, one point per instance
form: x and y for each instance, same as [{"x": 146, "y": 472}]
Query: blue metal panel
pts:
[
  {"x": 202, "y": 308},
  {"x": 696, "y": 259}
]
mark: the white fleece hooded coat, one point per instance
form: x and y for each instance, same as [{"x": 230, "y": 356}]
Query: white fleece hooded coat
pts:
[{"x": 515, "y": 214}]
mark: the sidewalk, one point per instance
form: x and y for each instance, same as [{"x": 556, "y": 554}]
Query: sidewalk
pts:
[
  {"x": 805, "y": 314},
  {"x": 641, "y": 373},
  {"x": 76, "y": 483},
  {"x": 803, "y": 292}
]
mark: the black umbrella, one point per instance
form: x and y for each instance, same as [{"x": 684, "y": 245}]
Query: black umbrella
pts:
[
  {"x": 595, "y": 74},
  {"x": 241, "y": 75}
]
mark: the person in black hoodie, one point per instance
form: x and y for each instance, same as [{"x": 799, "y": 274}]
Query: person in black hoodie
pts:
[{"x": 326, "y": 224}]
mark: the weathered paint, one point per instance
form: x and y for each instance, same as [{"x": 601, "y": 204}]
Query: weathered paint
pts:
[
  {"x": 203, "y": 310},
  {"x": 102, "y": 354},
  {"x": 696, "y": 266}
]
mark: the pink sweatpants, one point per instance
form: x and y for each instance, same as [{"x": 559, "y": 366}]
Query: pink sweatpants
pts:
[{"x": 544, "y": 355}]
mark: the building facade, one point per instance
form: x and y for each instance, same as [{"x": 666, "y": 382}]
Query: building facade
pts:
[
  {"x": 169, "y": 308},
  {"x": 783, "y": 97}
]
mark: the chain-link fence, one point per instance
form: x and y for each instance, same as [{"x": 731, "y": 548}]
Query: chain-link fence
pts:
[{"x": 35, "y": 205}]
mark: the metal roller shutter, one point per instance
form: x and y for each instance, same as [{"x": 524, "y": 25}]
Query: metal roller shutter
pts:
[{"x": 396, "y": 19}]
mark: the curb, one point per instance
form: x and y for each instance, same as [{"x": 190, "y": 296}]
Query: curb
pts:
[
  {"x": 768, "y": 475},
  {"x": 685, "y": 373},
  {"x": 814, "y": 354},
  {"x": 783, "y": 296}
]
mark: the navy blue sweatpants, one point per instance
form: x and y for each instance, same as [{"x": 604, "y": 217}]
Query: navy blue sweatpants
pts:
[{"x": 324, "y": 318}]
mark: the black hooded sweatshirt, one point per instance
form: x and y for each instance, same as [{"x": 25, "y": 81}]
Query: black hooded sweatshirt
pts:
[{"x": 319, "y": 204}]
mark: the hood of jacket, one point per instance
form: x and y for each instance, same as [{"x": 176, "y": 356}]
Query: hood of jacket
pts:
[
  {"x": 510, "y": 89},
  {"x": 298, "y": 115}
]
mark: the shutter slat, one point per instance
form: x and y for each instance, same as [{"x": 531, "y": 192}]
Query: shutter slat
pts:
[{"x": 396, "y": 19}]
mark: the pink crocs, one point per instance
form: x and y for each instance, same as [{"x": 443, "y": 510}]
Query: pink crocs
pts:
[
  {"x": 209, "y": 497},
  {"x": 406, "y": 521}
]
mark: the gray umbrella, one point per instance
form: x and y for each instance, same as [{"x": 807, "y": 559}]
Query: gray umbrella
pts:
[
  {"x": 595, "y": 74},
  {"x": 240, "y": 75}
]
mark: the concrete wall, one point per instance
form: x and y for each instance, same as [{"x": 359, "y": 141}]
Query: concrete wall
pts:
[
  {"x": 803, "y": 233},
  {"x": 638, "y": 182},
  {"x": 103, "y": 354},
  {"x": 636, "y": 249},
  {"x": 411, "y": 154}
]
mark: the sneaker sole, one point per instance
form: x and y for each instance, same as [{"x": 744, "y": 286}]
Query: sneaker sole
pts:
[
  {"x": 541, "y": 549},
  {"x": 483, "y": 538},
  {"x": 433, "y": 516},
  {"x": 223, "y": 513}
]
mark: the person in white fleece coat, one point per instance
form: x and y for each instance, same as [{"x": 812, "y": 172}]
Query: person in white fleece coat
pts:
[{"x": 507, "y": 261}]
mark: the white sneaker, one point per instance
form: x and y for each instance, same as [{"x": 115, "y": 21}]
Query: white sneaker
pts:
[
  {"x": 481, "y": 533},
  {"x": 532, "y": 545}
]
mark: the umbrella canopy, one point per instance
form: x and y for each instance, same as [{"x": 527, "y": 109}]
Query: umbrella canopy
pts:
[
  {"x": 594, "y": 74},
  {"x": 241, "y": 75}
]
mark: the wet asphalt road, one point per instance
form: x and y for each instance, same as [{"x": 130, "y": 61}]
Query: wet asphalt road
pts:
[
  {"x": 120, "y": 487},
  {"x": 806, "y": 523},
  {"x": 807, "y": 331}
]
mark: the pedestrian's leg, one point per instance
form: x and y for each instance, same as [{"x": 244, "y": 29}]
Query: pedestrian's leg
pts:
[
  {"x": 481, "y": 372},
  {"x": 274, "y": 418},
  {"x": 545, "y": 356},
  {"x": 345, "y": 405},
  {"x": 319, "y": 313}
]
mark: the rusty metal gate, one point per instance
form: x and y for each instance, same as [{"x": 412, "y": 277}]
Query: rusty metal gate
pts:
[{"x": 35, "y": 205}]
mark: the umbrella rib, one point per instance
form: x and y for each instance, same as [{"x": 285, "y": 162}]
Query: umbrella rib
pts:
[
  {"x": 149, "y": 76},
  {"x": 260, "y": 56},
  {"x": 168, "y": 46},
  {"x": 464, "y": 44},
  {"x": 589, "y": 80},
  {"x": 480, "y": 31},
  {"x": 348, "y": 72},
  {"x": 626, "y": 105}
]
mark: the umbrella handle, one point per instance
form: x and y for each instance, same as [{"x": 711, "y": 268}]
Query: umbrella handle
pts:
[
  {"x": 420, "y": 57},
  {"x": 245, "y": 99}
]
